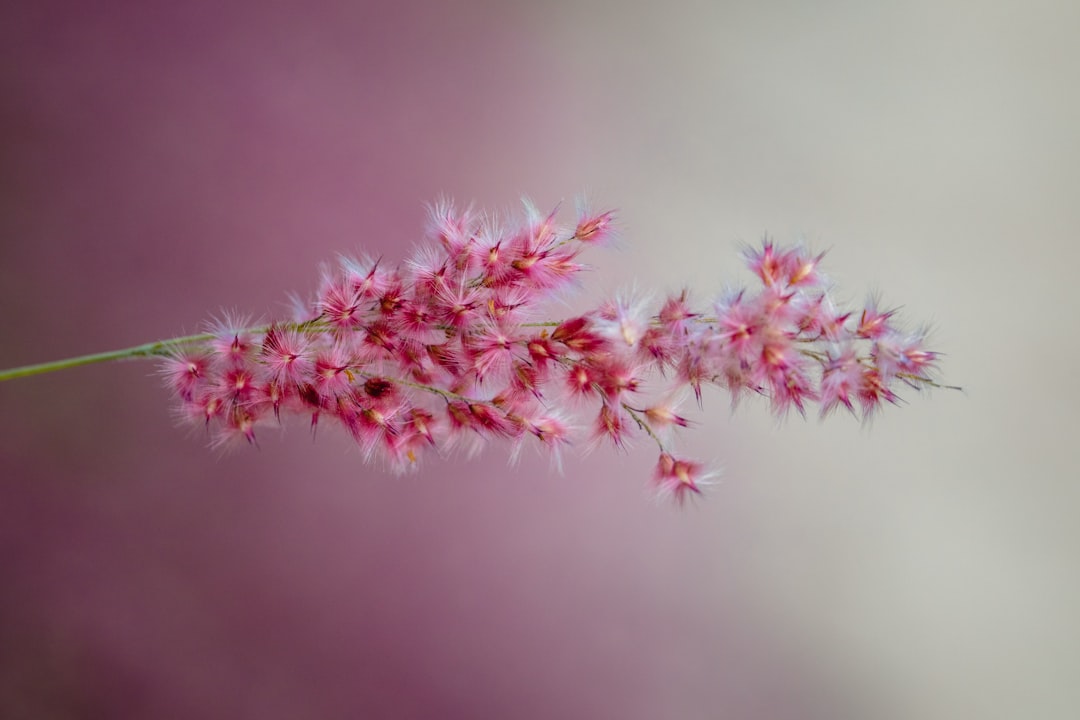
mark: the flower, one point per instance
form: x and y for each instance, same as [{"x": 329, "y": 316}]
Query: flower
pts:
[
  {"x": 447, "y": 350},
  {"x": 680, "y": 479}
]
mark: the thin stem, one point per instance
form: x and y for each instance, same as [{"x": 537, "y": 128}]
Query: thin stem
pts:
[
  {"x": 644, "y": 425},
  {"x": 927, "y": 381},
  {"x": 159, "y": 348},
  {"x": 162, "y": 348}
]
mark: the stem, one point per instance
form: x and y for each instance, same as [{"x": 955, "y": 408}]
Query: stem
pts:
[
  {"x": 159, "y": 348},
  {"x": 927, "y": 381},
  {"x": 644, "y": 425}
]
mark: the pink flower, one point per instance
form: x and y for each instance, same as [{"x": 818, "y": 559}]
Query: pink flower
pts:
[
  {"x": 454, "y": 349},
  {"x": 676, "y": 314},
  {"x": 611, "y": 425},
  {"x": 740, "y": 327},
  {"x": 454, "y": 231},
  {"x": 680, "y": 479},
  {"x": 285, "y": 353},
  {"x": 580, "y": 336},
  {"x": 625, "y": 319},
  {"x": 491, "y": 350},
  {"x": 873, "y": 323},
  {"x": 841, "y": 379},
  {"x": 184, "y": 373},
  {"x": 593, "y": 227},
  {"x": 663, "y": 415}
]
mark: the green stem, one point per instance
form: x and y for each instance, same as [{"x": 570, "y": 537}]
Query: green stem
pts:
[
  {"x": 644, "y": 425},
  {"x": 154, "y": 349},
  {"x": 159, "y": 348}
]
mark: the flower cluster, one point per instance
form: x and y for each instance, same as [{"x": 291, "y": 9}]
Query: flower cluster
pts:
[{"x": 450, "y": 349}]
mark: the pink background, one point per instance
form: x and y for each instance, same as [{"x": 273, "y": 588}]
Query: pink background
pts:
[{"x": 162, "y": 161}]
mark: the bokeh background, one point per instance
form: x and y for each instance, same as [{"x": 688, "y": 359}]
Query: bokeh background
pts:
[{"x": 162, "y": 161}]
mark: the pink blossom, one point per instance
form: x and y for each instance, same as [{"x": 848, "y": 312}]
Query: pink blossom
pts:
[
  {"x": 680, "y": 479},
  {"x": 285, "y": 353},
  {"x": 593, "y": 228},
  {"x": 183, "y": 373},
  {"x": 454, "y": 348},
  {"x": 873, "y": 323},
  {"x": 841, "y": 379},
  {"x": 624, "y": 319}
]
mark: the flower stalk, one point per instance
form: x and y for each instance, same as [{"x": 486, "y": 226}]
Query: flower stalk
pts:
[
  {"x": 161, "y": 348},
  {"x": 453, "y": 349}
]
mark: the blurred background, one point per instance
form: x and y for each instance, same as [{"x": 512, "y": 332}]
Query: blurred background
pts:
[{"x": 162, "y": 161}]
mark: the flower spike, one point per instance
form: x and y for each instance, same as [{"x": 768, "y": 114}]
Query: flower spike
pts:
[{"x": 455, "y": 348}]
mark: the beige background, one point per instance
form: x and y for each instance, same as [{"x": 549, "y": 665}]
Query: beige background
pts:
[
  {"x": 928, "y": 565},
  {"x": 163, "y": 161}
]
